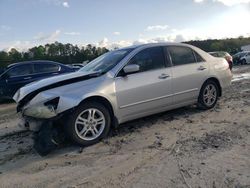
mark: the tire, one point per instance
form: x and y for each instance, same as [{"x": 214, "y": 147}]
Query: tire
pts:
[
  {"x": 243, "y": 62},
  {"x": 85, "y": 121},
  {"x": 208, "y": 100},
  {"x": 44, "y": 141}
]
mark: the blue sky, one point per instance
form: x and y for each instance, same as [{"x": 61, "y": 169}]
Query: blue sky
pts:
[{"x": 109, "y": 23}]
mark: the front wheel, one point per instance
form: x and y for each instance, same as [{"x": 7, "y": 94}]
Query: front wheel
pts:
[
  {"x": 208, "y": 95},
  {"x": 243, "y": 62},
  {"x": 89, "y": 123}
]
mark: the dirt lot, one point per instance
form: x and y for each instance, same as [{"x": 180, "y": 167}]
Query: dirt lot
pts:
[{"x": 181, "y": 148}]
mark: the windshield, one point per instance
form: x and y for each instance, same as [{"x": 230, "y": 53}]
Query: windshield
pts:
[
  {"x": 2, "y": 70},
  {"x": 107, "y": 61}
]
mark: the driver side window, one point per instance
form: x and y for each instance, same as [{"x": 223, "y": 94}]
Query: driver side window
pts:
[{"x": 149, "y": 59}]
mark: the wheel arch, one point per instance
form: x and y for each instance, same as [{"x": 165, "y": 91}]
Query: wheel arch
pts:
[
  {"x": 106, "y": 103},
  {"x": 217, "y": 82}
]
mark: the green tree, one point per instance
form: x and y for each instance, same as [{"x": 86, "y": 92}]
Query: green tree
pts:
[
  {"x": 4, "y": 59},
  {"x": 15, "y": 55}
]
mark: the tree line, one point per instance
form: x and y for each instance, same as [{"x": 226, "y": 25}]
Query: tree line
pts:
[
  {"x": 232, "y": 45},
  {"x": 63, "y": 53},
  {"x": 69, "y": 53}
]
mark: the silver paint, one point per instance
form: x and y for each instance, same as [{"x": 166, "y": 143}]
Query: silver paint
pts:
[{"x": 136, "y": 95}]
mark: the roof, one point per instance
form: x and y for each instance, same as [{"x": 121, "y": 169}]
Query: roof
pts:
[
  {"x": 157, "y": 44},
  {"x": 35, "y": 61}
]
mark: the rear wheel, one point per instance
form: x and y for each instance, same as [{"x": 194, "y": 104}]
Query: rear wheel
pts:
[
  {"x": 208, "y": 95},
  {"x": 89, "y": 123},
  {"x": 243, "y": 62}
]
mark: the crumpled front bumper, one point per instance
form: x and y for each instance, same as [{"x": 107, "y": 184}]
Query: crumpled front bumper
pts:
[
  {"x": 30, "y": 124},
  {"x": 33, "y": 115},
  {"x": 40, "y": 111}
]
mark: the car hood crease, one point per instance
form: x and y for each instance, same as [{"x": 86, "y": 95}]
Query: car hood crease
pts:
[{"x": 27, "y": 93}]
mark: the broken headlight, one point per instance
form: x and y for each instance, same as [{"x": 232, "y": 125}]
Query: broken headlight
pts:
[{"x": 43, "y": 111}]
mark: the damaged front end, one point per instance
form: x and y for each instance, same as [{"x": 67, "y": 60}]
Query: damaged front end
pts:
[
  {"x": 46, "y": 104},
  {"x": 43, "y": 120},
  {"x": 33, "y": 115},
  {"x": 45, "y": 110}
]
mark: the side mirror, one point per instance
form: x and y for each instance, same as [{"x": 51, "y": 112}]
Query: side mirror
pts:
[{"x": 128, "y": 69}]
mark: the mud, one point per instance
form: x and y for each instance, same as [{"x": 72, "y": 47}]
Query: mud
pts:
[{"x": 186, "y": 147}]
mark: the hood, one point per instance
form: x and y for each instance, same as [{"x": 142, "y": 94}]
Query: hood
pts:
[{"x": 26, "y": 93}]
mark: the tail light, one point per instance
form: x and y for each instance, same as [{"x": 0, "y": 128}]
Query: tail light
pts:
[{"x": 229, "y": 58}]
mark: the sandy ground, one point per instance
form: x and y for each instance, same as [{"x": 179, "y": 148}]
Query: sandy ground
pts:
[{"x": 186, "y": 147}]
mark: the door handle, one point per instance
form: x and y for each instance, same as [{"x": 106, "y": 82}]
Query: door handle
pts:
[
  {"x": 27, "y": 78},
  {"x": 201, "y": 68},
  {"x": 163, "y": 76}
]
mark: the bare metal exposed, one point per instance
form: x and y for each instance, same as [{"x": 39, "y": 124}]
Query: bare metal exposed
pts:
[{"x": 123, "y": 85}]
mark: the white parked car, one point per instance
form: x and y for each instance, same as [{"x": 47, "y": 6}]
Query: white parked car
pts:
[
  {"x": 242, "y": 57},
  {"x": 123, "y": 85},
  {"x": 246, "y": 58}
]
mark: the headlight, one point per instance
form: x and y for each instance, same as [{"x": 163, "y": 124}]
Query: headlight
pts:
[{"x": 42, "y": 111}]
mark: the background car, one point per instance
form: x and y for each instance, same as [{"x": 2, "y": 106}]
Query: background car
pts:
[
  {"x": 77, "y": 65},
  {"x": 19, "y": 74},
  {"x": 225, "y": 55},
  {"x": 245, "y": 59},
  {"x": 2, "y": 70},
  {"x": 242, "y": 57}
]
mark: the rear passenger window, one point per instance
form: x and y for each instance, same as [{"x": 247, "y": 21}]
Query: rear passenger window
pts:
[
  {"x": 149, "y": 59},
  {"x": 181, "y": 55},
  {"x": 198, "y": 57},
  {"x": 45, "y": 68}
]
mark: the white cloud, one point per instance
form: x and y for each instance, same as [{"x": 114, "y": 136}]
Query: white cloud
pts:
[
  {"x": 198, "y": 1},
  {"x": 160, "y": 39},
  {"x": 65, "y": 4},
  {"x": 116, "y": 33},
  {"x": 120, "y": 44},
  {"x": 157, "y": 27},
  {"x": 54, "y": 35},
  {"x": 19, "y": 45},
  {"x": 226, "y": 2},
  {"x": 5, "y": 27},
  {"x": 103, "y": 43},
  {"x": 48, "y": 37},
  {"x": 232, "y": 2},
  {"x": 72, "y": 33}
]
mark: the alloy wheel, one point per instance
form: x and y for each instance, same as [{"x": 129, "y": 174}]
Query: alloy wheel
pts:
[
  {"x": 209, "y": 95},
  {"x": 90, "y": 124}
]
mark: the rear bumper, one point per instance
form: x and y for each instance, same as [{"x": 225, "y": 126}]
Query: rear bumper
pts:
[{"x": 226, "y": 79}]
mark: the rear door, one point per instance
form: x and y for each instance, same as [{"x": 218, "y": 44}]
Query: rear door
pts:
[
  {"x": 189, "y": 73},
  {"x": 148, "y": 90},
  {"x": 44, "y": 70}
]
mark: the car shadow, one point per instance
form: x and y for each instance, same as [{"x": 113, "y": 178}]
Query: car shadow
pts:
[
  {"x": 151, "y": 120},
  {"x": 6, "y": 101},
  {"x": 68, "y": 148},
  {"x": 132, "y": 126}
]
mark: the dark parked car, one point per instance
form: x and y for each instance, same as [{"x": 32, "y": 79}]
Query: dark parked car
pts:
[{"x": 19, "y": 74}]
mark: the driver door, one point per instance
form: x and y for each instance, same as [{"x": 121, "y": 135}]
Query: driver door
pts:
[
  {"x": 147, "y": 91},
  {"x": 18, "y": 77}
]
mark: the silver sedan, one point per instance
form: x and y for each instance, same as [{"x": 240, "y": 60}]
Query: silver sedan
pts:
[{"x": 123, "y": 85}]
